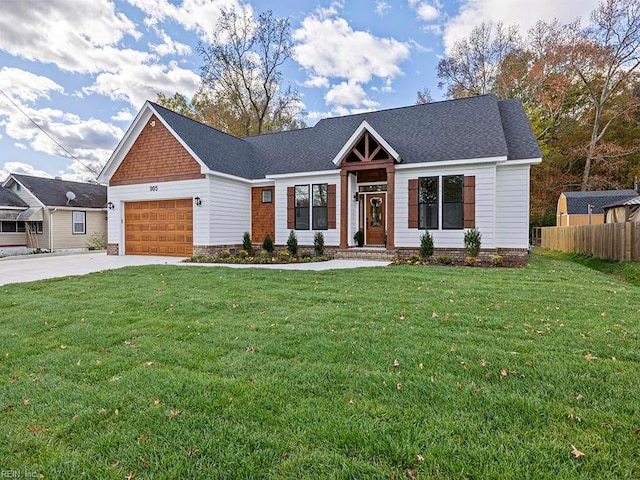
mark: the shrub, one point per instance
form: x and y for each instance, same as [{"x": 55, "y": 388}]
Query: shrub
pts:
[
  {"x": 284, "y": 255},
  {"x": 247, "y": 246},
  {"x": 470, "y": 261},
  {"x": 292, "y": 243},
  {"x": 243, "y": 254},
  {"x": 267, "y": 245},
  {"x": 496, "y": 260},
  {"x": 318, "y": 243},
  {"x": 97, "y": 241},
  {"x": 224, "y": 254},
  {"x": 445, "y": 260},
  {"x": 426, "y": 245},
  {"x": 472, "y": 241},
  {"x": 414, "y": 260},
  {"x": 305, "y": 254}
]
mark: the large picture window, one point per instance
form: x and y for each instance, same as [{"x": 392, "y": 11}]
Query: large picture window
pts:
[
  {"x": 79, "y": 223},
  {"x": 452, "y": 202},
  {"x": 302, "y": 207},
  {"x": 319, "y": 214},
  {"x": 11, "y": 226},
  {"x": 428, "y": 203}
]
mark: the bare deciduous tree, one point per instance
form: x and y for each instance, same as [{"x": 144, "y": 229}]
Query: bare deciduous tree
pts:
[
  {"x": 606, "y": 60},
  {"x": 242, "y": 71},
  {"x": 473, "y": 63}
]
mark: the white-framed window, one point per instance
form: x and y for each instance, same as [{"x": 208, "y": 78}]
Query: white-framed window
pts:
[
  {"x": 35, "y": 227},
  {"x": 267, "y": 195},
  {"x": 79, "y": 223}
]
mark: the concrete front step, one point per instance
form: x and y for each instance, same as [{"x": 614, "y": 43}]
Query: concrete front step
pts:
[{"x": 363, "y": 253}]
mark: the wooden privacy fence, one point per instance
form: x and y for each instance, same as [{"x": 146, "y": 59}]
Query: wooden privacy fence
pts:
[{"x": 611, "y": 241}]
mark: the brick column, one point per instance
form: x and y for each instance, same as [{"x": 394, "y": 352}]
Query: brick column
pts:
[{"x": 344, "y": 209}]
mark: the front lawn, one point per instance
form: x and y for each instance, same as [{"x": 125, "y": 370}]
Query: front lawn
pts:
[{"x": 403, "y": 372}]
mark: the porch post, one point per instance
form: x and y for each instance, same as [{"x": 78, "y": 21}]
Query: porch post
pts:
[
  {"x": 391, "y": 210},
  {"x": 344, "y": 208}
]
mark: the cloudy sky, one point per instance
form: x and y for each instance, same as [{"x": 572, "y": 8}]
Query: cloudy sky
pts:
[{"x": 81, "y": 69}]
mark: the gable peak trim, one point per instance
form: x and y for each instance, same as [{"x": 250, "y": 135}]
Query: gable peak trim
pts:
[{"x": 353, "y": 139}]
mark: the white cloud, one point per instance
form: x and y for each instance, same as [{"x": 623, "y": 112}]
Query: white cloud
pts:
[
  {"x": 123, "y": 115},
  {"x": 317, "y": 82},
  {"x": 169, "y": 46},
  {"x": 90, "y": 140},
  {"x": 200, "y": 16},
  {"x": 139, "y": 83},
  {"x": 75, "y": 35},
  {"x": 331, "y": 48},
  {"x": 21, "y": 168},
  {"x": 382, "y": 8},
  {"x": 426, "y": 11},
  {"x": 348, "y": 94},
  {"x": 473, "y": 12},
  {"x": 25, "y": 86},
  {"x": 20, "y": 145}
]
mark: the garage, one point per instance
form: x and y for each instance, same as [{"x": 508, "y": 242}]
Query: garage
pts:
[{"x": 162, "y": 227}]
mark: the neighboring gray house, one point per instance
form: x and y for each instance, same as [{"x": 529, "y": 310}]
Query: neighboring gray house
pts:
[
  {"x": 178, "y": 187},
  {"x": 50, "y": 214}
]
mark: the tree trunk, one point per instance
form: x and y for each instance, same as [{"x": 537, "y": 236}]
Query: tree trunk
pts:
[{"x": 591, "y": 151}]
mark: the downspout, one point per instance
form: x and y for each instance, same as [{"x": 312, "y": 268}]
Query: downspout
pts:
[{"x": 51, "y": 212}]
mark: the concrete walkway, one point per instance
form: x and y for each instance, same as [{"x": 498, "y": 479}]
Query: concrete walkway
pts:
[{"x": 29, "y": 268}]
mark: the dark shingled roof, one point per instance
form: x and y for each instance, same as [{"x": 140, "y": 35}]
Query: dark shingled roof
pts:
[
  {"x": 475, "y": 127},
  {"x": 10, "y": 199},
  {"x": 578, "y": 202},
  {"x": 52, "y": 192}
]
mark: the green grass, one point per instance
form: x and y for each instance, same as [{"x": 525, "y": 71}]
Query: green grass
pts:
[
  {"x": 290, "y": 374},
  {"x": 626, "y": 271}
]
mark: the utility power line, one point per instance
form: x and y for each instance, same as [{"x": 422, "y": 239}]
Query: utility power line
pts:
[{"x": 71, "y": 155}]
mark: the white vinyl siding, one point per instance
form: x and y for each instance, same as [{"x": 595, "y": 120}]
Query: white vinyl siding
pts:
[
  {"x": 305, "y": 237},
  {"x": 485, "y": 206},
  {"x": 512, "y": 206},
  {"x": 229, "y": 210}
]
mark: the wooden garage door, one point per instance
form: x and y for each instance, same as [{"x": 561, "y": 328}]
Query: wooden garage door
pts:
[{"x": 163, "y": 227}]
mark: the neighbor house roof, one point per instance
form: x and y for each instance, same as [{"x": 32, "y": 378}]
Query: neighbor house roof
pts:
[
  {"x": 624, "y": 203},
  {"x": 52, "y": 192},
  {"x": 468, "y": 128},
  {"x": 578, "y": 202},
  {"x": 10, "y": 199}
]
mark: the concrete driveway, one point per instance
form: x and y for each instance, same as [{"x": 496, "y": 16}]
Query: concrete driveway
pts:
[{"x": 28, "y": 268}]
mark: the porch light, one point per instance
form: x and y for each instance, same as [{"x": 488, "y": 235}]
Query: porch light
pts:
[
  {"x": 355, "y": 197},
  {"x": 110, "y": 205},
  {"x": 198, "y": 201}
]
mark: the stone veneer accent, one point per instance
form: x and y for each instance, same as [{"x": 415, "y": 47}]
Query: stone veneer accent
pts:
[{"x": 112, "y": 248}]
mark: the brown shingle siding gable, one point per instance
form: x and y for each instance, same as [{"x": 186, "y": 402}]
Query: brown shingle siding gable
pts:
[{"x": 156, "y": 156}]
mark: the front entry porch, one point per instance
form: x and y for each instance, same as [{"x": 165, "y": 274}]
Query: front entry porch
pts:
[{"x": 372, "y": 163}]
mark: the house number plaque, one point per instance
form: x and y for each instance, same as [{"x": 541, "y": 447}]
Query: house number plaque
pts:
[{"x": 153, "y": 188}]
